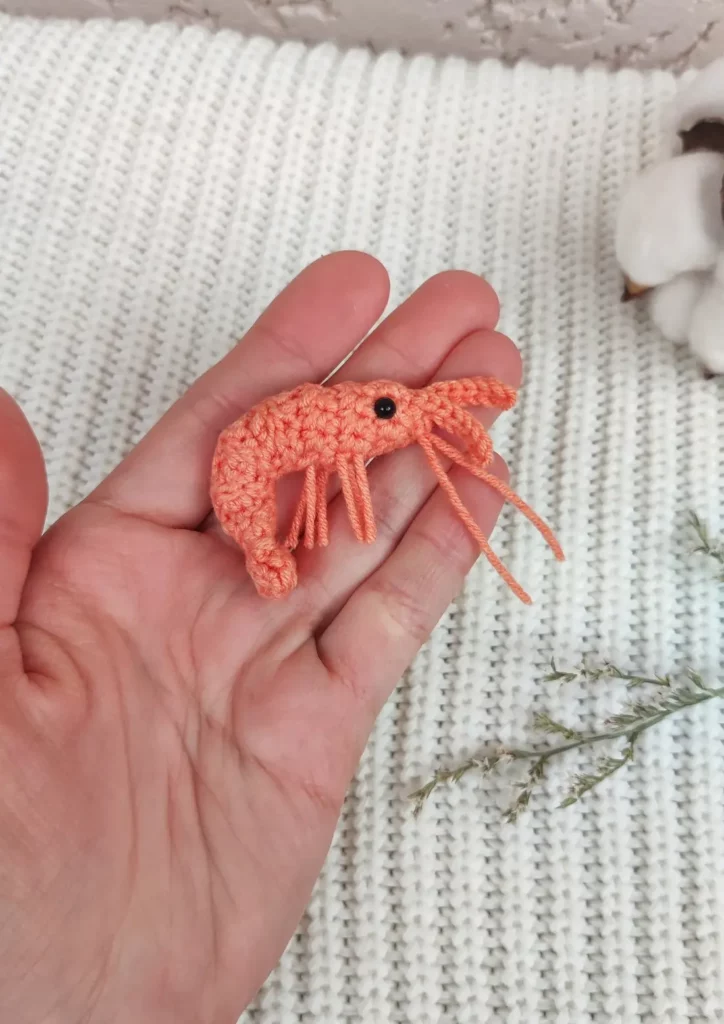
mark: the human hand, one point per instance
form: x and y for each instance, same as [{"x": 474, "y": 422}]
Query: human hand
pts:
[{"x": 174, "y": 751}]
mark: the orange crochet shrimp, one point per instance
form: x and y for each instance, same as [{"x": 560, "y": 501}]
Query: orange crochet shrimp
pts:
[{"x": 322, "y": 430}]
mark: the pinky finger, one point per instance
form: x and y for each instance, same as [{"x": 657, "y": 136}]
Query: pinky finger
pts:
[{"x": 384, "y": 623}]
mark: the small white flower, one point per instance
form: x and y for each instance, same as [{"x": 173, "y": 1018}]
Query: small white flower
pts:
[
  {"x": 670, "y": 228},
  {"x": 670, "y": 219},
  {"x": 671, "y": 306}
]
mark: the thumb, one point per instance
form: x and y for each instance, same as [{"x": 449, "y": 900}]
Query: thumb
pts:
[{"x": 23, "y": 503}]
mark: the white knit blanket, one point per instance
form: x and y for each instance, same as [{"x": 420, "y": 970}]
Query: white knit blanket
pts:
[{"x": 157, "y": 187}]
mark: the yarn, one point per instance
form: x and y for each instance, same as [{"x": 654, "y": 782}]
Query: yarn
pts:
[{"x": 320, "y": 430}]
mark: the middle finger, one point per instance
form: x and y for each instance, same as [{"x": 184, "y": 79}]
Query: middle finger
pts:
[
  {"x": 400, "y": 484},
  {"x": 409, "y": 346}
]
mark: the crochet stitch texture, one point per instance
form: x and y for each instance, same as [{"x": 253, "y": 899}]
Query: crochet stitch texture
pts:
[
  {"x": 339, "y": 428},
  {"x": 157, "y": 188}
]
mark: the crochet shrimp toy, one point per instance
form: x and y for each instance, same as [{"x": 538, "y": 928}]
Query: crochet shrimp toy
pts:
[{"x": 339, "y": 428}]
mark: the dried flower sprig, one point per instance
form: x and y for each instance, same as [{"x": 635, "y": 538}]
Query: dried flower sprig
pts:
[
  {"x": 592, "y": 673},
  {"x": 713, "y": 549},
  {"x": 635, "y": 718}
]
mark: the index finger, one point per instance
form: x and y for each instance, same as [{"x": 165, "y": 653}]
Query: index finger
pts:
[{"x": 303, "y": 335}]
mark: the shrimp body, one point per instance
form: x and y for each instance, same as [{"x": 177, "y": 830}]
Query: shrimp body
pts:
[{"x": 320, "y": 430}]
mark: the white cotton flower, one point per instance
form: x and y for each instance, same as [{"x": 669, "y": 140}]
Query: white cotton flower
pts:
[
  {"x": 670, "y": 219},
  {"x": 701, "y": 99},
  {"x": 672, "y": 304},
  {"x": 706, "y": 330}
]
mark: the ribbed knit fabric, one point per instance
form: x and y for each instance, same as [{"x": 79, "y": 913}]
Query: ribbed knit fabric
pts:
[{"x": 157, "y": 187}]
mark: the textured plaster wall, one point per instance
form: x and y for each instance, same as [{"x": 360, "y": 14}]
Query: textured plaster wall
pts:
[{"x": 640, "y": 33}]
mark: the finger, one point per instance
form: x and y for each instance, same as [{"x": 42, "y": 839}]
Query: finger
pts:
[
  {"x": 308, "y": 329},
  {"x": 23, "y": 504},
  {"x": 370, "y": 644},
  {"x": 409, "y": 346},
  {"x": 411, "y": 343},
  {"x": 399, "y": 485}
]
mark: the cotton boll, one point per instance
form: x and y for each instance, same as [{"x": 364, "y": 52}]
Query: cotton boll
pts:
[
  {"x": 671, "y": 305},
  {"x": 701, "y": 99},
  {"x": 706, "y": 330},
  {"x": 670, "y": 219}
]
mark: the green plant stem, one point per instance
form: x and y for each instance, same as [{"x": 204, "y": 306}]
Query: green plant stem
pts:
[
  {"x": 591, "y": 674},
  {"x": 713, "y": 549},
  {"x": 629, "y": 731},
  {"x": 634, "y": 720}
]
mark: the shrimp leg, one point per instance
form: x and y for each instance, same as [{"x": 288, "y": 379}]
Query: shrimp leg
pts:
[
  {"x": 310, "y": 491},
  {"x": 295, "y": 530},
  {"x": 364, "y": 498},
  {"x": 349, "y": 492},
  {"x": 322, "y": 524},
  {"x": 311, "y": 511}
]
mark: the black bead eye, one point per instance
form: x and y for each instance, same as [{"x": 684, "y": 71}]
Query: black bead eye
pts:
[{"x": 385, "y": 408}]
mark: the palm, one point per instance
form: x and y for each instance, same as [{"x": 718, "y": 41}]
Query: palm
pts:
[{"x": 184, "y": 745}]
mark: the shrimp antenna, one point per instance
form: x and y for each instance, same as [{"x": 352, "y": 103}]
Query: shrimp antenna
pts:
[
  {"x": 455, "y": 455},
  {"x": 428, "y": 445}
]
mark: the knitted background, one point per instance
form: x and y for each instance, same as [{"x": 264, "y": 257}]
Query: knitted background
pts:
[{"x": 157, "y": 187}]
